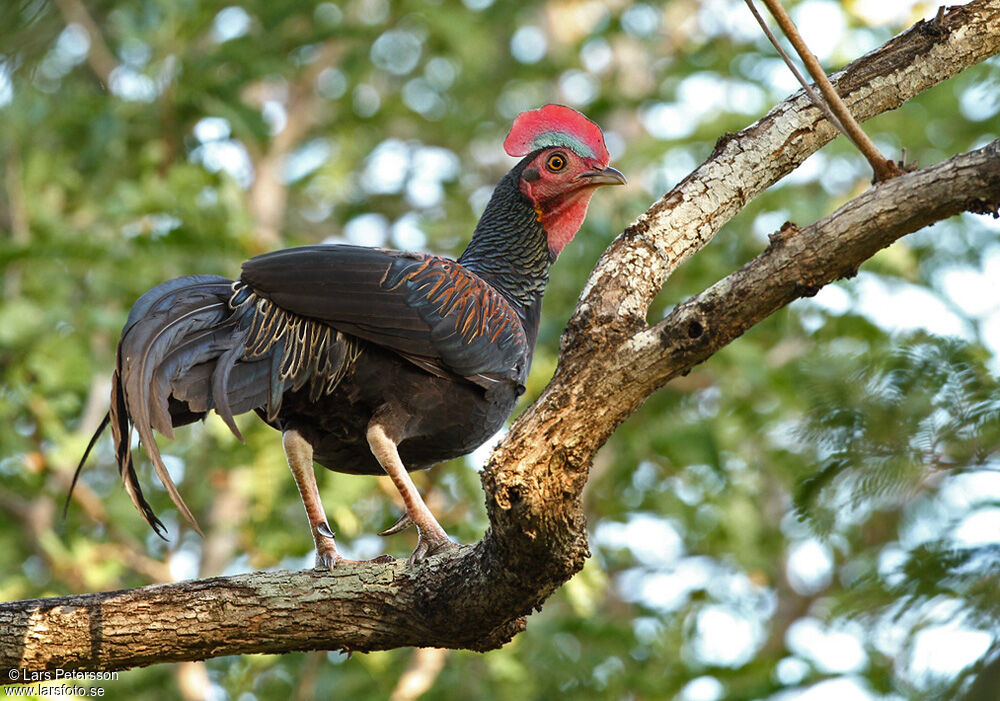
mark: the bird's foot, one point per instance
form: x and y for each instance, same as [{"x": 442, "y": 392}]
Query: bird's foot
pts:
[
  {"x": 432, "y": 538},
  {"x": 430, "y": 542},
  {"x": 327, "y": 555},
  {"x": 325, "y": 562}
]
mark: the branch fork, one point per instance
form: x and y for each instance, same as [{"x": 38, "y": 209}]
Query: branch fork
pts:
[{"x": 833, "y": 108}]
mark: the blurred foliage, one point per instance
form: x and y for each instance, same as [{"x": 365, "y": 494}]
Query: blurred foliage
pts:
[{"x": 816, "y": 507}]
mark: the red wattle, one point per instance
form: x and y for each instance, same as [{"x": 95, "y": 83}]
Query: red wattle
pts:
[{"x": 561, "y": 218}]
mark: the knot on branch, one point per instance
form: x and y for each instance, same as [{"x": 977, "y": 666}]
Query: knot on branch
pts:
[
  {"x": 936, "y": 27},
  {"x": 782, "y": 235},
  {"x": 509, "y": 497},
  {"x": 688, "y": 329},
  {"x": 722, "y": 142}
]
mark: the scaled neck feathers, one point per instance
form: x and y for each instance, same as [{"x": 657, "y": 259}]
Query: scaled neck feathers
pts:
[{"x": 509, "y": 248}]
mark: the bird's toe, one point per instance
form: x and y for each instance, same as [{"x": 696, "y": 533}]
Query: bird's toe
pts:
[
  {"x": 330, "y": 561},
  {"x": 326, "y": 560},
  {"x": 427, "y": 547}
]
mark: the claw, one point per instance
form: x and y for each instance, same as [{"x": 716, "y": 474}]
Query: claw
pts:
[
  {"x": 326, "y": 561},
  {"x": 428, "y": 543},
  {"x": 399, "y": 526},
  {"x": 327, "y": 556},
  {"x": 428, "y": 546}
]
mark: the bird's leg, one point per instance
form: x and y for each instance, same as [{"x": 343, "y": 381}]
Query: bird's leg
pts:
[
  {"x": 299, "y": 453},
  {"x": 432, "y": 537}
]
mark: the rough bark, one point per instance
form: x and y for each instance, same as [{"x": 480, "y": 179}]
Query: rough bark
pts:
[{"x": 611, "y": 360}]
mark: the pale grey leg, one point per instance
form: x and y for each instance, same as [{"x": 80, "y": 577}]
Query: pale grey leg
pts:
[
  {"x": 432, "y": 537},
  {"x": 299, "y": 453},
  {"x": 300, "y": 459}
]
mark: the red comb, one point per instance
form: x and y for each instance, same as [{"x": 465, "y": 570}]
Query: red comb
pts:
[{"x": 556, "y": 125}]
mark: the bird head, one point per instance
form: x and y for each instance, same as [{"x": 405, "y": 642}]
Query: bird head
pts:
[{"x": 565, "y": 162}]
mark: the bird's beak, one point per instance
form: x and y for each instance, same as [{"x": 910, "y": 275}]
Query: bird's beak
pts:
[{"x": 608, "y": 176}]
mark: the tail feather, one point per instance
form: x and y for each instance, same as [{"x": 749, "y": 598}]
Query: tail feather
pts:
[
  {"x": 247, "y": 386},
  {"x": 220, "y": 384},
  {"x": 148, "y": 342},
  {"x": 195, "y": 352},
  {"x": 177, "y": 311},
  {"x": 163, "y": 296},
  {"x": 79, "y": 468},
  {"x": 275, "y": 390},
  {"x": 200, "y": 343},
  {"x": 121, "y": 433}
]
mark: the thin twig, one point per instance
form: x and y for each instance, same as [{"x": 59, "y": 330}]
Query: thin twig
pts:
[
  {"x": 816, "y": 99},
  {"x": 883, "y": 168}
]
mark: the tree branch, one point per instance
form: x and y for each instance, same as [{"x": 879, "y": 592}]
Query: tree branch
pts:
[
  {"x": 611, "y": 361},
  {"x": 268, "y": 195},
  {"x": 801, "y": 261},
  {"x": 99, "y": 57},
  {"x": 748, "y": 162}
]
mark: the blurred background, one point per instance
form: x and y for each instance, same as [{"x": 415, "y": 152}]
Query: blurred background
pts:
[{"x": 812, "y": 514}]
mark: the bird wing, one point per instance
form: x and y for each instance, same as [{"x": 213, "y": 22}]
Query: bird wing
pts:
[{"x": 431, "y": 310}]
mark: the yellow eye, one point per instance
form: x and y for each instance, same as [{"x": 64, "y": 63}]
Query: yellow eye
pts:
[{"x": 556, "y": 162}]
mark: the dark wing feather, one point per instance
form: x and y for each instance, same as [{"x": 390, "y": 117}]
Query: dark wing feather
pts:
[{"x": 429, "y": 309}]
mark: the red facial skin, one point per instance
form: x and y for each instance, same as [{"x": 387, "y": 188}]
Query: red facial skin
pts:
[{"x": 561, "y": 195}]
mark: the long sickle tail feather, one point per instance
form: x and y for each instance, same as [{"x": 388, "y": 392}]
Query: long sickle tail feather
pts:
[
  {"x": 79, "y": 468},
  {"x": 163, "y": 320}
]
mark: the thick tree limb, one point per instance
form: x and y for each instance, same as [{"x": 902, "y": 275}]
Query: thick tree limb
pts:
[{"x": 611, "y": 361}]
